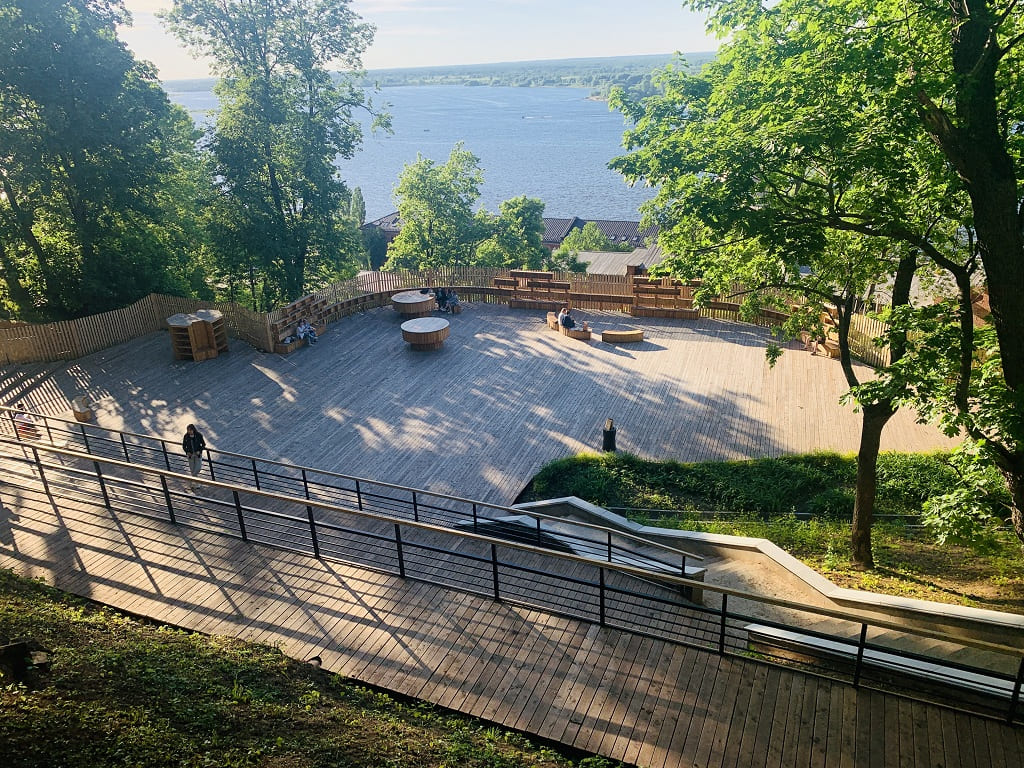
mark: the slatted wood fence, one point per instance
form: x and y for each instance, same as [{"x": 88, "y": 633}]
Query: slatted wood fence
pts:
[{"x": 71, "y": 339}]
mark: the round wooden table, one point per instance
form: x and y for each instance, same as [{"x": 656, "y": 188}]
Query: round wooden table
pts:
[
  {"x": 414, "y": 303},
  {"x": 425, "y": 332}
]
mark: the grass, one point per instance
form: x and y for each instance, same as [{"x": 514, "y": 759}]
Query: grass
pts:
[
  {"x": 122, "y": 692},
  {"x": 766, "y": 498}
]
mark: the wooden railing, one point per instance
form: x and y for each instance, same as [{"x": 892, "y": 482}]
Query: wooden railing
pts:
[{"x": 72, "y": 339}]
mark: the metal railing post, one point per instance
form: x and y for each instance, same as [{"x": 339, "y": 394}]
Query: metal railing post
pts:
[
  {"x": 167, "y": 499},
  {"x": 609, "y": 546},
  {"x": 494, "y": 570},
  {"x": 721, "y": 624},
  {"x": 415, "y": 508},
  {"x": 39, "y": 466},
  {"x": 241, "y": 517},
  {"x": 124, "y": 448},
  {"x": 103, "y": 485},
  {"x": 601, "y": 597},
  {"x": 1015, "y": 696},
  {"x": 311, "y": 517},
  {"x": 860, "y": 654},
  {"x": 167, "y": 459},
  {"x": 398, "y": 548},
  {"x": 256, "y": 475},
  {"x": 209, "y": 461},
  {"x": 49, "y": 433},
  {"x": 538, "y": 531},
  {"x": 85, "y": 438},
  {"x": 475, "y": 520},
  {"x": 359, "y": 497}
]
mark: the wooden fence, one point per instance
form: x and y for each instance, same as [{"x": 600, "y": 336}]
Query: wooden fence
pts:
[{"x": 71, "y": 339}]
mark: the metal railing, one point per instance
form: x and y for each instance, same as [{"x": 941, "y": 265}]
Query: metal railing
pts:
[
  {"x": 864, "y": 653},
  {"x": 362, "y": 493}
]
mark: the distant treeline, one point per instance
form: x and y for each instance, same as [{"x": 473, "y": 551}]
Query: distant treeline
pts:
[{"x": 599, "y": 74}]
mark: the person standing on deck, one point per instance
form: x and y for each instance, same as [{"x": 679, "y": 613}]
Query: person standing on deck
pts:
[{"x": 193, "y": 445}]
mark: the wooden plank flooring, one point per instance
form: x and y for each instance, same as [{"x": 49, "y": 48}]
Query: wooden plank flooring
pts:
[
  {"x": 630, "y": 698},
  {"x": 479, "y": 417}
]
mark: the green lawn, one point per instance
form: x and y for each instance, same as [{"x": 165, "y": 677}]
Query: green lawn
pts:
[{"x": 122, "y": 692}]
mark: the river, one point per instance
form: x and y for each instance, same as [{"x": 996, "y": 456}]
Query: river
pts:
[{"x": 550, "y": 143}]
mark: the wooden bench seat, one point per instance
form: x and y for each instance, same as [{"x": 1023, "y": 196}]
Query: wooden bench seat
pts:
[
  {"x": 283, "y": 348},
  {"x": 572, "y": 333},
  {"x": 622, "y": 337}
]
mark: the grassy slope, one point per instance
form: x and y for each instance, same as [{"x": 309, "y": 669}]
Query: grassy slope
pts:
[
  {"x": 127, "y": 693},
  {"x": 766, "y": 493}
]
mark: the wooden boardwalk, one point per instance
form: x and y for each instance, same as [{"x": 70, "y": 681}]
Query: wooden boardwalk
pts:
[
  {"x": 479, "y": 417},
  {"x": 607, "y": 691}
]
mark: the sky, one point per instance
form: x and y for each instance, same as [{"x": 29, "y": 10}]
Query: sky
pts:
[{"x": 420, "y": 33}]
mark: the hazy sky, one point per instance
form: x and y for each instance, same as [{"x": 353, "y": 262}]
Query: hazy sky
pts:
[{"x": 412, "y": 33}]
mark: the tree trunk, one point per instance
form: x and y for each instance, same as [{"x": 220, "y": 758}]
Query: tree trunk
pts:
[
  {"x": 875, "y": 417},
  {"x": 1015, "y": 482}
]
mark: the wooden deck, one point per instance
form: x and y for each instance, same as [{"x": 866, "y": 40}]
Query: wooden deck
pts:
[
  {"x": 633, "y": 699},
  {"x": 479, "y": 417}
]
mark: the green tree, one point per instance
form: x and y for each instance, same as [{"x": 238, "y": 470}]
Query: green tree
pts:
[
  {"x": 788, "y": 140},
  {"x": 357, "y": 207},
  {"x": 92, "y": 152},
  {"x": 589, "y": 237},
  {"x": 284, "y": 121},
  {"x": 435, "y": 204},
  {"x": 517, "y": 237}
]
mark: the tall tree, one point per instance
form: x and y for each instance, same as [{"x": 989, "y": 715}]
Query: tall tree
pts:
[
  {"x": 89, "y": 146},
  {"x": 779, "y": 150},
  {"x": 916, "y": 106},
  {"x": 357, "y": 207},
  {"x": 284, "y": 121},
  {"x": 517, "y": 236},
  {"x": 435, "y": 204}
]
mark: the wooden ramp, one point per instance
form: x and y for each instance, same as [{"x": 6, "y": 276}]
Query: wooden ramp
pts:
[{"x": 607, "y": 691}]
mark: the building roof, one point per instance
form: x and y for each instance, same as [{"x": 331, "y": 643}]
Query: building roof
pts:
[
  {"x": 625, "y": 232},
  {"x": 389, "y": 223},
  {"x": 555, "y": 230},
  {"x": 616, "y": 262}
]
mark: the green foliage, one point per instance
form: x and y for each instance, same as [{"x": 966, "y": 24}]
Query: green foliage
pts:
[
  {"x": 516, "y": 239},
  {"x": 435, "y": 203},
  {"x": 98, "y": 192},
  {"x": 818, "y": 484},
  {"x": 127, "y": 693},
  {"x": 283, "y": 225}
]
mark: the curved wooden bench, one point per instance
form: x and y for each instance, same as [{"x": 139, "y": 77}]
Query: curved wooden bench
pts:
[
  {"x": 425, "y": 332},
  {"x": 575, "y": 333},
  {"x": 572, "y": 333},
  {"x": 622, "y": 337}
]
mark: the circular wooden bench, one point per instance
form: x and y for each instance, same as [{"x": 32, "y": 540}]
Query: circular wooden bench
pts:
[
  {"x": 414, "y": 303},
  {"x": 622, "y": 337},
  {"x": 425, "y": 332}
]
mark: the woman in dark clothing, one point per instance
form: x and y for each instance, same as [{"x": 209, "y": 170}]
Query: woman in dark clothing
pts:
[{"x": 193, "y": 445}]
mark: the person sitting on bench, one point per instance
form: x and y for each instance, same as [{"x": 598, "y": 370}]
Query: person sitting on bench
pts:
[
  {"x": 565, "y": 318},
  {"x": 306, "y": 331},
  {"x": 442, "y": 298}
]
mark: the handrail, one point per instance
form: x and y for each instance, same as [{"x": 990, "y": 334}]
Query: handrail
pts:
[
  {"x": 778, "y": 602},
  {"x": 164, "y": 442},
  {"x": 663, "y": 614}
]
